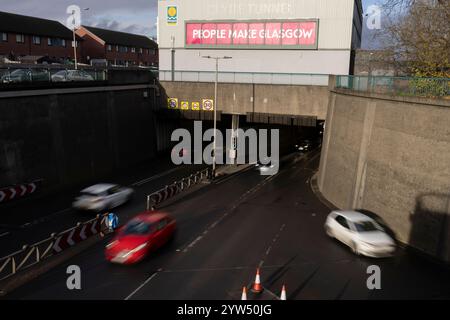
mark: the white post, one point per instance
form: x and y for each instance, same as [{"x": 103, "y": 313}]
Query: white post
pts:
[
  {"x": 215, "y": 116},
  {"x": 75, "y": 49}
]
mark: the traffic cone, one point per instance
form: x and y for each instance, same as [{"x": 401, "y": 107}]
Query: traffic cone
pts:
[
  {"x": 283, "y": 293},
  {"x": 257, "y": 287},
  {"x": 244, "y": 294}
]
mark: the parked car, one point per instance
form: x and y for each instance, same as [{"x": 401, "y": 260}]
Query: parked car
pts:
[
  {"x": 102, "y": 197},
  {"x": 361, "y": 233},
  {"x": 71, "y": 75},
  {"x": 140, "y": 236},
  {"x": 25, "y": 75}
]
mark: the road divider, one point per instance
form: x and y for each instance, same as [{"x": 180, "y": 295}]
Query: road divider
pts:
[
  {"x": 31, "y": 255},
  {"x": 18, "y": 191},
  {"x": 170, "y": 191}
]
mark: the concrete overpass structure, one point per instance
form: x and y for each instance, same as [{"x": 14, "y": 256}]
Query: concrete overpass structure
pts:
[{"x": 271, "y": 98}]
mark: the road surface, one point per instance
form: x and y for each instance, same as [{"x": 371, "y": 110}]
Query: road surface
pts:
[{"x": 226, "y": 231}]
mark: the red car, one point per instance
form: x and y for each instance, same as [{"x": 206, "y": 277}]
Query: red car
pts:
[{"x": 141, "y": 235}]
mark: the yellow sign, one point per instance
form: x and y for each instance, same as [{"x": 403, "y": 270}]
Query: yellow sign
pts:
[
  {"x": 172, "y": 103},
  {"x": 208, "y": 104},
  {"x": 172, "y": 15},
  {"x": 195, "y": 106},
  {"x": 184, "y": 105}
]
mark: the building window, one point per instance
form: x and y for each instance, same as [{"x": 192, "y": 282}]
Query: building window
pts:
[
  {"x": 36, "y": 40},
  {"x": 141, "y": 50},
  {"x": 117, "y": 48},
  {"x": 57, "y": 42},
  {"x": 123, "y": 49},
  {"x": 133, "y": 50},
  {"x": 4, "y": 37},
  {"x": 20, "y": 38},
  {"x": 109, "y": 47}
]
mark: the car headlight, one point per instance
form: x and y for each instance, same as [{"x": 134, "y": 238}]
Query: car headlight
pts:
[
  {"x": 112, "y": 244},
  {"x": 138, "y": 248},
  {"x": 367, "y": 244},
  {"x": 142, "y": 246}
]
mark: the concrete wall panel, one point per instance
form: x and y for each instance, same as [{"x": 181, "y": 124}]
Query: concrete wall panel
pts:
[{"x": 397, "y": 166}]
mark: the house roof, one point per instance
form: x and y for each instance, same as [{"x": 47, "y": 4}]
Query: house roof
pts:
[
  {"x": 16, "y": 23},
  {"x": 122, "y": 38}
]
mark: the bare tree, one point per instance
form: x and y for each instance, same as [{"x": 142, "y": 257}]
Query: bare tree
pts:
[{"x": 416, "y": 35}]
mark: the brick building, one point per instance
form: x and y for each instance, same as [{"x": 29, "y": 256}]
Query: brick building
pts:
[
  {"x": 28, "y": 38},
  {"x": 117, "y": 48}
]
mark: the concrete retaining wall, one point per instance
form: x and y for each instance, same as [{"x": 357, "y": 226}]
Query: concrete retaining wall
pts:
[
  {"x": 235, "y": 98},
  {"x": 75, "y": 137},
  {"x": 391, "y": 156}
]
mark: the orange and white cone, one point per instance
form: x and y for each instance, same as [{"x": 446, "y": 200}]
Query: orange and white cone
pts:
[
  {"x": 244, "y": 294},
  {"x": 283, "y": 293},
  {"x": 257, "y": 287}
]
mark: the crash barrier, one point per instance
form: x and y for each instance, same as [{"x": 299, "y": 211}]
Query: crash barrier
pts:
[
  {"x": 175, "y": 188},
  {"x": 31, "y": 255},
  {"x": 19, "y": 191}
]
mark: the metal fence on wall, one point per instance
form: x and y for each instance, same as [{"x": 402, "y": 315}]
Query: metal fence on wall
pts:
[
  {"x": 21, "y": 75},
  {"x": 245, "y": 77},
  {"x": 402, "y": 86}
]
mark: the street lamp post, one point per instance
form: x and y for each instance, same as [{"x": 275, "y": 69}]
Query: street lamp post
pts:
[
  {"x": 74, "y": 37},
  {"x": 215, "y": 106}
]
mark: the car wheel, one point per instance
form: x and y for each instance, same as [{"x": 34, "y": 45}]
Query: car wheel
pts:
[{"x": 329, "y": 232}]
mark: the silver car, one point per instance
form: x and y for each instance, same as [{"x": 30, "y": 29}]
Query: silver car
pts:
[
  {"x": 71, "y": 75},
  {"x": 102, "y": 197}
]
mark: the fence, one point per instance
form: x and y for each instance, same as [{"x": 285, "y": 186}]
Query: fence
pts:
[
  {"x": 403, "y": 86},
  {"x": 18, "y": 75},
  {"x": 31, "y": 255},
  {"x": 245, "y": 77},
  {"x": 175, "y": 188}
]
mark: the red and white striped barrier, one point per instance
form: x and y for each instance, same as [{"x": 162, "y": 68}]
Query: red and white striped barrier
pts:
[
  {"x": 78, "y": 234},
  {"x": 18, "y": 191}
]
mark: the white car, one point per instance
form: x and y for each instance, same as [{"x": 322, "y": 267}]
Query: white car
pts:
[
  {"x": 102, "y": 197},
  {"x": 361, "y": 233}
]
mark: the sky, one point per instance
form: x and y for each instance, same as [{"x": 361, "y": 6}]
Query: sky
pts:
[{"x": 133, "y": 16}]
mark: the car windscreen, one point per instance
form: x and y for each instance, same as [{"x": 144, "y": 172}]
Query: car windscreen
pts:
[
  {"x": 137, "y": 228},
  {"x": 18, "y": 72},
  {"x": 91, "y": 194},
  {"x": 365, "y": 226}
]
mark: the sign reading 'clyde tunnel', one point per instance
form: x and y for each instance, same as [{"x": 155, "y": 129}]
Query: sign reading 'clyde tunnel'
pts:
[{"x": 290, "y": 34}]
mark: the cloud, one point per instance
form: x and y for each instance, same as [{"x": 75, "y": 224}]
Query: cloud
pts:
[{"x": 134, "y": 16}]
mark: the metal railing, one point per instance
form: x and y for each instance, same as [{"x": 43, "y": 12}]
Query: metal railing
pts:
[
  {"x": 31, "y": 255},
  {"x": 245, "y": 77},
  {"x": 175, "y": 188},
  {"x": 402, "y": 86},
  {"x": 27, "y": 75}
]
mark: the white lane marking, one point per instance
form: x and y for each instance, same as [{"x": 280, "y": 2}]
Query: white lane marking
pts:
[
  {"x": 233, "y": 207},
  {"x": 141, "y": 286},
  {"x": 61, "y": 211},
  {"x": 147, "y": 180},
  {"x": 4, "y": 234},
  {"x": 193, "y": 243}
]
